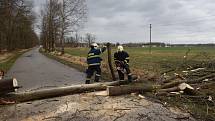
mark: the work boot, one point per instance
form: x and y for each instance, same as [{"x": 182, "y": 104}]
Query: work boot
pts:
[
  {"x": 97, "y": 78},
  {"x": 130, "y": 78},
  {"x": 87, "y": 82}
]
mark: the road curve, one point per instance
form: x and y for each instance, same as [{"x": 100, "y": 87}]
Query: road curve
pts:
[{"x": 35, "y": 71}]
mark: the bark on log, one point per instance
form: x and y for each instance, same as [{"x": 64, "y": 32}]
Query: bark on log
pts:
[
  {"x": 172, "y": 84},
  {"x": 8, "y": 85},
  {"x": 177, "y": 76},
  {"x": 170, "y": 79},
  {"x": 126, "y": 89},
  {"x": 172, "y": 89},
  {"x": 201, "y": 79},
  {"x": 110, "y": 62},
  {"x": 60, "y": 91}
]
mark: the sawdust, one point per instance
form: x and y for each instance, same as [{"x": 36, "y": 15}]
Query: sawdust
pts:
[{"x": 92, "y": 107}]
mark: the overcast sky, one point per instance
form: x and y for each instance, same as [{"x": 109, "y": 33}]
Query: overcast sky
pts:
[{"x": 173, "y": 21}]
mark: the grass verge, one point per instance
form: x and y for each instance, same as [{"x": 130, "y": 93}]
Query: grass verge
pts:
[
  {"x": 81, "y": 68},
  {"x": 8, "y": 63},
  {"x": 70, "y": 64}
]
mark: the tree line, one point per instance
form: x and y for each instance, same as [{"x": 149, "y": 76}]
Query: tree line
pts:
[
  {"x": 60, "y": 18},
  {"x": 17, "y": 25}
]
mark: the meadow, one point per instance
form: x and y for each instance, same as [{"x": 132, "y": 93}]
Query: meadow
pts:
[
  {"x": 161, "y": 59},
  {"x": 150, "y": 69}
]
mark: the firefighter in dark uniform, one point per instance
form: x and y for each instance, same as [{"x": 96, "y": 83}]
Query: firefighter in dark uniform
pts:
[
  {"x": 94, "y": 62},
  {"x": 121, "y": 58}
]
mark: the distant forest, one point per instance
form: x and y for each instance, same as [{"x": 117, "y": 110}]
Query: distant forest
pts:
[{"x": 17, "y": 25}]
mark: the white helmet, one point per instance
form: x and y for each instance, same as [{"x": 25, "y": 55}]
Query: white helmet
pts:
[
  {"x": 94, "y": 45},
  {"x": 120, "y": 48}
]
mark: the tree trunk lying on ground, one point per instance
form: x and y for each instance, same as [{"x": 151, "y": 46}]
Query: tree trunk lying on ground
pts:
[
  {"x": 8, "y": 85},
  {"x": 126, "y": 89},
  {"x": 172, "y": 84},
  {"x": 201, "y": 78},
  {"x": 116, "y": 90},
  {"x": 113, "y": 88},
  {"x": 60, "y": 91}
]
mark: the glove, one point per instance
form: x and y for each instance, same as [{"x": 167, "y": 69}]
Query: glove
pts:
[{"x": 108, "y": 44}]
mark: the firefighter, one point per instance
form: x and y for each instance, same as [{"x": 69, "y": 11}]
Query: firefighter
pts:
[
  {"x": 121, "y": 59},
  {"x": 94, "y": 62}
]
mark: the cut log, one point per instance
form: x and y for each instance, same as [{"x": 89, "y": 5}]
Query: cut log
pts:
[
  {"x": 6, "y": 102},
  {"x": 177, "y": 76},
  {"x": 126, "y": 89},
  {"x": 60, "y": 91},
  {"x": 8, "y": 85},
  {"x": 183, "y": 86},
  {"x": 170, "y": 79},
  {"x": 198, "y": 69},
  {"x": 172, "y": 89},
  {"x": 172, "y": 84},
  {"x": 201, "y": 78}
]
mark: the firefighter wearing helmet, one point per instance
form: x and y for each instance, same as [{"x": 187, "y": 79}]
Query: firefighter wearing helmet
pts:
[
  {"x": 121, "y": 58},
  {"x": 94, "y": 62}
]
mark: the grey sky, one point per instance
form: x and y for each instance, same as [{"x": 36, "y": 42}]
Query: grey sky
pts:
[{"x": 173, "y": 21}]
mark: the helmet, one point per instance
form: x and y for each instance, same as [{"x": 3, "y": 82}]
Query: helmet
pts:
[
  {"x": 94, "y": 45},
  {"x": 120, "y": 48}
]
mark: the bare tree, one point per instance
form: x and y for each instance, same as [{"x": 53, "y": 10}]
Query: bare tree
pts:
[
  {"x": 73, "y": 13},
  {"x": 50, "y": 24},
  {"x": 16, "y": 21},
  {"x": 90, "y": 38},
  {"x": 59, "y": 19}
]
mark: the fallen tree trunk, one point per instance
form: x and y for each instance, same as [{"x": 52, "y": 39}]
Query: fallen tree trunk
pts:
[
  {"x": 201, "y": 78},
  {"x": 172, "y": 84},
  {"x": 126, "y": 89},
  {"x": 172, "y": 89},
  {"x": 60, "y": 91},
  {"x": 8, "y": 85}
]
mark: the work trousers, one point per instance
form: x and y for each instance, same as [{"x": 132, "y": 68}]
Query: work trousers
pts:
[
  {"x": 90, "y": 72},
  {"x": 122, "y": 74}
]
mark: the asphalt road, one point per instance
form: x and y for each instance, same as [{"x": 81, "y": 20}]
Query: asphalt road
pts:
[{"x": 35, "y": 71}]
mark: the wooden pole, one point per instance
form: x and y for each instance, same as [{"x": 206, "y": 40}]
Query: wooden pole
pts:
[
  {"x": 150, "y": 43},
  {"x": 110, "y": 61}
]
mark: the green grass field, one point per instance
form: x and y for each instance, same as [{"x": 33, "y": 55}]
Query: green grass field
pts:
[{"x": 161, "y": 58}]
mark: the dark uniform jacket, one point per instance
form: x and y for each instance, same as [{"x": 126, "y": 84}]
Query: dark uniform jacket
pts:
[
  {"x": 121, "y": 56},
  {"x": 94, "y": 58}
]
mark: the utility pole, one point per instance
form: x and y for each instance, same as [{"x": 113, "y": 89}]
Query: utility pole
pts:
[{"x": 150, "y": 43}]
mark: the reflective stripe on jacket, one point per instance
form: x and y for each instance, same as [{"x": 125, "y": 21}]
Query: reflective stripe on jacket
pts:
[{"x": 93, "y": 57}]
